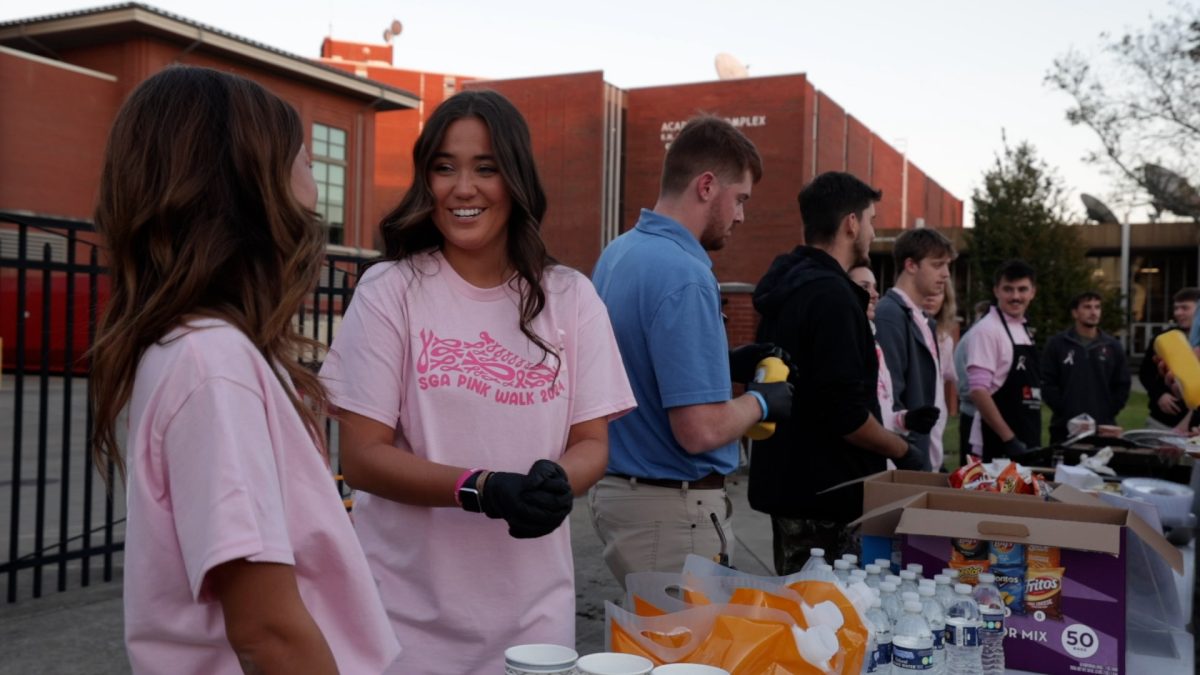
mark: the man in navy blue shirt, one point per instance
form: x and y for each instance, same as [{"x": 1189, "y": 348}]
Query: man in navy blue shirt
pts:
[{"x": 668, "y": 458}]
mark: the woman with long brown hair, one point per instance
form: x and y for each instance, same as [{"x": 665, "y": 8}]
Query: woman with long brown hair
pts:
[
  {"x": 239, "y": 554},
  {"x": 475, "y": 379},
  {"x": 943, "y": 309}
]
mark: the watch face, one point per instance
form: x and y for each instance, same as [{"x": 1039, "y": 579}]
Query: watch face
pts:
[{"x": 469, "y": 498}]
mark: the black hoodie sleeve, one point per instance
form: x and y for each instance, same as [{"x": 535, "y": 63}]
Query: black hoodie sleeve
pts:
[
  {"x": 1052, "y": 387},
  {"x": 837, "y": 365}
]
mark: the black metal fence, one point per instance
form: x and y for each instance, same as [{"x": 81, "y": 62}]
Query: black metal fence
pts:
[{"x": 61, "y": 517}]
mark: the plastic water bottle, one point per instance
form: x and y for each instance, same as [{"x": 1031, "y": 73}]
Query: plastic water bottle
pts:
[
  {"x": 908, "y": 581},
  {"x": 952, "y": 573},
  {"x": 890, "y": 601},
  {"x": 991, "y": 632},
  {"x": 892, "y": 578},
  {"x": 816, "y": 556},
  {"x": 852, "y": 559},
  {"x": 874, "y": 576},
  {"x": 841, "y": 570},
  {"x": 881, "y": 659},
  {"x": 944, "y": 591},
  {"x": 916, "y": 568},
  {"x": 885, "y": 565},
  {"x": 935, "y": 616},
  {"x": 963, "y": 651},
  {"x": 912, "y": 641},
  {"x": 857, "y": 576}
]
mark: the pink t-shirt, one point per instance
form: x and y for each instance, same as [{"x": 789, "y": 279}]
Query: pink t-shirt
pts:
[
  {"x": 222, "y": 468},
  {"x": 447, "y": 365},
  {"x": 989, "y": 358}
]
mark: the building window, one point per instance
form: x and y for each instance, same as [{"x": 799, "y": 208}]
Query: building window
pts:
[{"x": 329, "y": 170}]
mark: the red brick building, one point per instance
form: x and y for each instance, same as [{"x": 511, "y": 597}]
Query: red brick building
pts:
[{"x": 64, "y": 76}]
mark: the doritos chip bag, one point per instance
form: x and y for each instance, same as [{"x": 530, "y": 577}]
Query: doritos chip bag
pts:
[
  {"x": 1010, "y": 481},
  {"x": 1011, "y": 582}
]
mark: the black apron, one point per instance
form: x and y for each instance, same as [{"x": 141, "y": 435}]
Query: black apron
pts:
[{"x": 1019, "y": 399}]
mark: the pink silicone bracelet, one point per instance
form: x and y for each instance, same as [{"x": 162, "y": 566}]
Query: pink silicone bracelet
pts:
[{"x": 459, "y": 483}]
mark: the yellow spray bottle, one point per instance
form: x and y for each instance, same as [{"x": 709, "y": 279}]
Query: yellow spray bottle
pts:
[
  {"x": 770, "y": 369},
  {"x": 1173, "y": 348}
]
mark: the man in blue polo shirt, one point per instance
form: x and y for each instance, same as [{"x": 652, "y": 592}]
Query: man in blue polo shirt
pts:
[{"x": 668, "y": 458}]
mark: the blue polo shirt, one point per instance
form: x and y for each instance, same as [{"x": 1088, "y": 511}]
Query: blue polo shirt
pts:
[{"x": 665, "y": 307}]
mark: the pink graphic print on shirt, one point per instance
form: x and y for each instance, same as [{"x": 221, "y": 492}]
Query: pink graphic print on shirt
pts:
[{"x": 486, "y": 368}]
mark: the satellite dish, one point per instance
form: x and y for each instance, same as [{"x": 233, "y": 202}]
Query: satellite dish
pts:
[
  {"x": 1171, "y": 192},
  {"x": 729, "y": 68},
  {"x": 1097, "y": 211},
  {"x": 392, "y": 31}
]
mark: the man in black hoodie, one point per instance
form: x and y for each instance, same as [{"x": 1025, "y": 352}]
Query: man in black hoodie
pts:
[{"x": 812, "y": 309}]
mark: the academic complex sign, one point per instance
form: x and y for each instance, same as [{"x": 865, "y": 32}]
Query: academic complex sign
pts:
[{"x": 671, "y": 129}]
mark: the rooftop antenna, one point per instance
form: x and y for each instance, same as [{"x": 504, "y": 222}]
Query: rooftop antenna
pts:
[
  {"x": 1097, "y": 210},
  {"x": 1171, "y": 192},
  {"x": 392, "y": 31},
  {"x": 730, "y": 68}
]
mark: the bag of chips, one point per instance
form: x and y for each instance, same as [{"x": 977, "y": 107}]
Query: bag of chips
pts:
[
  {"x": 1006, "y": 554},
  {"x": 968, "y": 473},
  {"x": 1043, "y": 591},
  {"x": 1011, "y": 582},
  {"x": 1042, "y": 556}
]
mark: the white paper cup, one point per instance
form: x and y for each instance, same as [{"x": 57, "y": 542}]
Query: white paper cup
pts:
[
  {"x": 610, "y": 663},
  {"x": 539, "y": 660},
  {"x": 688, "y": 669}
]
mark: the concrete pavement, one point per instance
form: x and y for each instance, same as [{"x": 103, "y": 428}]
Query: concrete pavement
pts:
[{"x": 79, "y": 632}]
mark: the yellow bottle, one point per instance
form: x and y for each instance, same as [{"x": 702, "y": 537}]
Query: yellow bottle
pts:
[
  {"x": 1173, "y": 348},
  {"x": 770, "y": 369}
]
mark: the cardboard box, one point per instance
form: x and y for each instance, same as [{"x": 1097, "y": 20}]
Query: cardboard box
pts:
[
  {"x": 1076, "y": 619},
  {"x": 886, "y": 487}
]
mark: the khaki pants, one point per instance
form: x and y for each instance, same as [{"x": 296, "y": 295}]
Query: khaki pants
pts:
[{"x": 645, "y": 528}]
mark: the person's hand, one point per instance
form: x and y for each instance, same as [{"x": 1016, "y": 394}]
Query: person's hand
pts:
[
  {"x": 534, "y": 504},
  {"x": 913, "y": 460},
  {"x": 778, "y": 396},
  {"x": 922, "y": 419},
  {"x": 1014, "y": 447},
  {"x": 743, "y": 360},
  {"x": 1170, "y": 404}
]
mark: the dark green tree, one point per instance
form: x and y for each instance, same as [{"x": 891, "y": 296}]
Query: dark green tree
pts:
[{"x": 1020, "y": 212}]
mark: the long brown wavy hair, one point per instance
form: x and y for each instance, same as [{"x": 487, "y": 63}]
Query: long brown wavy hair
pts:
[
  {"x": 409, "y": 228},
  {"x": 198, "y": 218}
]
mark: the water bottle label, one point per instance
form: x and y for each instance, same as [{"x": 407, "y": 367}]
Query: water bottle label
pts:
[
  {"x": 993, "y": 623},
  {"x": 939, "y": 640},
  {"x": 962, "y": 636},
  {"x": 912, "y": 659},
  {"x": 882, "y": 655}
]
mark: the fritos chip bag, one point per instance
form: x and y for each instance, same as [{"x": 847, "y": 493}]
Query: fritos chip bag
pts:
[
  {"x": 1042, "y": 556},
  {"x": 967, "y": 473},
  {"x": 1011, "y": 582},
  {"x": 1043, "y": 591},
  {"x": 1006, "y": 554}
]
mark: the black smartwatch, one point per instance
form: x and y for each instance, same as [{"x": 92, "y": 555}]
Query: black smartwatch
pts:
[{"x": 468, "y": 495}]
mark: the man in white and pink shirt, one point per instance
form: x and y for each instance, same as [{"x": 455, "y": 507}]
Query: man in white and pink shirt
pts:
[
  {"x": 1003, "y": 370},
  {"x": 907, "y": 336}
]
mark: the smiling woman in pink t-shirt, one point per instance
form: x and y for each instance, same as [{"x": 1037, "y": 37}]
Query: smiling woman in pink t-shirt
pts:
[
  {"x": 474, "y": 380},
  {"x": 239, "y": 555}
]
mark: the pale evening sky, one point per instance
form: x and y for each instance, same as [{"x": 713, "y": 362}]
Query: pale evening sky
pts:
[{"x": 938, "y": 79}]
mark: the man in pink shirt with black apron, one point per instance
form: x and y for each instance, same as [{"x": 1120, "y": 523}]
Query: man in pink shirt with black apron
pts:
[{"x": 1003, "y": 370}]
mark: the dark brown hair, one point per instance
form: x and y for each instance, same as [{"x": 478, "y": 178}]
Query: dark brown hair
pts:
[
  {"x": 828, "y": 199},
  {"x": 709, "y": 143},
  {"x": 409, "y": 228},
  {"x": 198, "y": 218},
  {"x": 1188, "y": 294},
  {"x": 920, "y": 244}
]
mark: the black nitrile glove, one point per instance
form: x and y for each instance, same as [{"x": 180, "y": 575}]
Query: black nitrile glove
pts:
[
  {"x": 778, "y": 396},
  {"x": 1015, "y": 447},
  {"x": 921, "y": 420},
  {"x": 913, "y": 460},
  {"x": 743, "y": 360},
  {"x": 534, "y": 504}
]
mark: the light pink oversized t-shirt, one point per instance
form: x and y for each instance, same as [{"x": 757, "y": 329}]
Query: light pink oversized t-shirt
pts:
[
  {"x": 222, "y": 468},
  {"x": 446, "y": 364}
]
